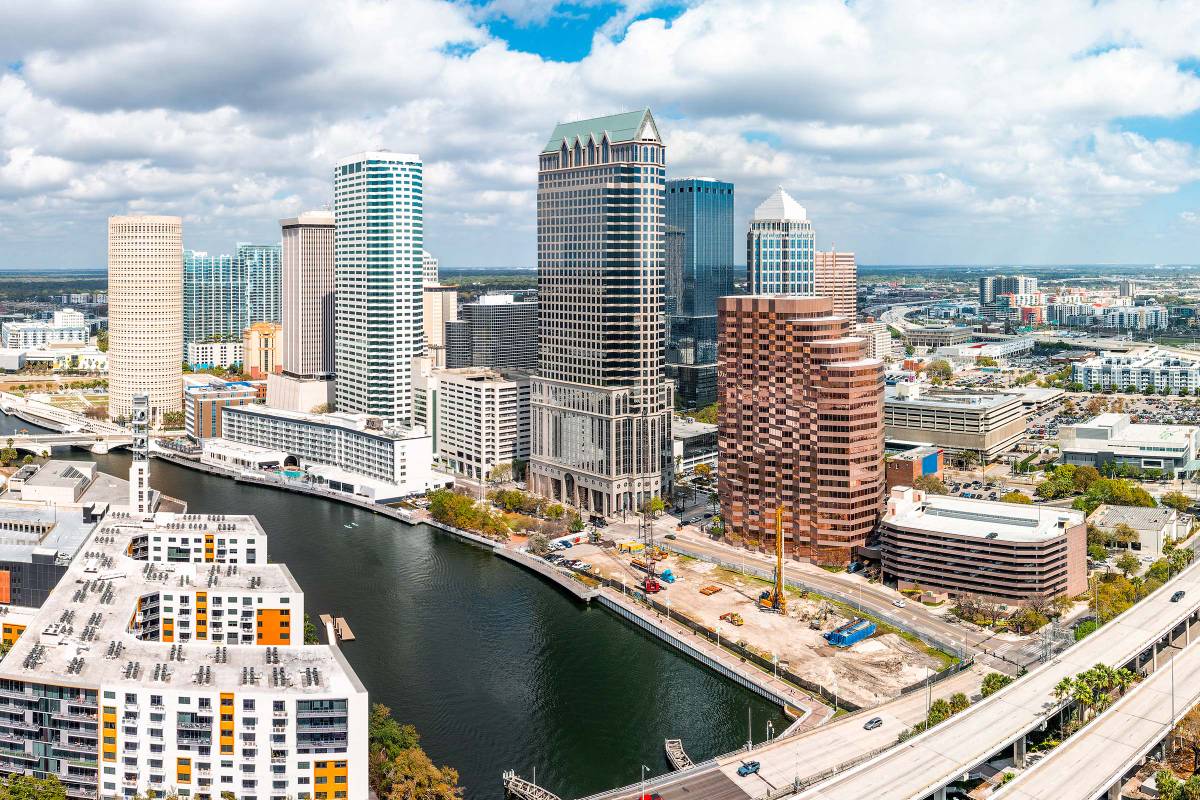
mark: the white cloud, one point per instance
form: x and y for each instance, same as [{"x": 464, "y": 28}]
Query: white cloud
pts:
[{"x": 927, "y": 130}]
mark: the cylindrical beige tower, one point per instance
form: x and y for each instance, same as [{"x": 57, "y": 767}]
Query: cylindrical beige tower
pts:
[{"x": 145, "y": 314}]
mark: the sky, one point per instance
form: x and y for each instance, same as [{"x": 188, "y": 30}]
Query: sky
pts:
[{"x": 913, "y": 131}]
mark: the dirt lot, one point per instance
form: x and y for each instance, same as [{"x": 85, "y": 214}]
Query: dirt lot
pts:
[{"x": 867, "y": 673}]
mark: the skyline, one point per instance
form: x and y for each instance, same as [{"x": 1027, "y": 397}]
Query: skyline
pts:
[{"x": 1086, "y": 132}]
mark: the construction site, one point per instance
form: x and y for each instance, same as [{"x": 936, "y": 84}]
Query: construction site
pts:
[{"x": 815, "y": 638}]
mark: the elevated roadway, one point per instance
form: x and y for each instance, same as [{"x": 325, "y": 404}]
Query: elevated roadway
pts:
[{"x": 922, "y": 766}]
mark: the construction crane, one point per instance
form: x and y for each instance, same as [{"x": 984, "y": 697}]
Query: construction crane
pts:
[{"x": 774, "y": 599}]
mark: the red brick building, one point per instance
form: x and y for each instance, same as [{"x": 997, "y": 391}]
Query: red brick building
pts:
[{"x": 801, "y": 426}]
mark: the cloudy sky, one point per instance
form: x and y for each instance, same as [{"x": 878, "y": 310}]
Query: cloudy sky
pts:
[{"x": 914, "y": 131}]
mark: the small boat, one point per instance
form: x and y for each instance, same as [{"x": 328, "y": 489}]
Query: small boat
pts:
[{"x": 347, "y": 526}]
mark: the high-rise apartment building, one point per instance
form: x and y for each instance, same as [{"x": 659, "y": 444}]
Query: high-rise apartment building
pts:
[
  {"x": 780, "y": 248},
  {"x": 379, "y": 269},
  {"x": 307, "y": 346},
  {"x": 145, "y": 314},
  {"x": 992, "y": 286},
  {"x": 497, "y": 331},
  {"x": 214, "y": 297},
  {"x": 835, "y": 276},
  {"x": 261, "y": 269},
  {"x": 801, "y": 426},
  {"x": 699, "y": 264},
  {"x": 600, "y": 404}
]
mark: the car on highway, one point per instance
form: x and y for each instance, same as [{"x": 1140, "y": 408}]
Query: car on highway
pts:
[
  {"x": 748, "y": 768},
  {"x": 1175, "y": 598},
  {"x": 899, "y": 603},
  {"x": 873, "y": 723},
  {"x": 652, "y": 796}
]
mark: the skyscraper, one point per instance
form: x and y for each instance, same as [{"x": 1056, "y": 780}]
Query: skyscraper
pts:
[
  {"x": 429, "y": 265},
  {"x": 378, "y": 276},
  {"x": 699, "y": 257},
  {"x": 600, "y": 405},
  {"x": 145, "y": 314},
  {"x": 497, "y": 331},
  {"x": 835, "y": 276},
  {"x": 801, "y": 426},
  {"x": 307, "y": 295},
  {"x": 779, "y": 248},
  {"x": 261, "y": 267},
  {"x": 992, "y": 286},
  {"x": 441, "y": 308},
  {"x": 214, "y": 297}
]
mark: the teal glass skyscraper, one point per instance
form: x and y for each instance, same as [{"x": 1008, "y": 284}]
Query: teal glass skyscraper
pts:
[
  {"x": 699, "y": 269},
  {"x": 214, "y": 297},
  {"x": 262, "y": 272}
]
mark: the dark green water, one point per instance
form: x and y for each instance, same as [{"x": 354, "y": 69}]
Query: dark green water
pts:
[{"x": 497, "y": 669}]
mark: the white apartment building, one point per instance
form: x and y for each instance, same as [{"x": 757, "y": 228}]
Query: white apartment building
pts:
[
  {"x": 378, "y": 273},
  {"x": 170, "y": 658},
  {"x": 482, "y": 418},
  {"x": 353, "y": 453},
  {"x": 1140, "y": 369},
  {"x": 66, "y": 327},
  {"x": 879, "y": 339},
  {"x": 207, "y": 355},
  {"x": 1138, "y": 318},
  {"x": 145, "y": 313}
]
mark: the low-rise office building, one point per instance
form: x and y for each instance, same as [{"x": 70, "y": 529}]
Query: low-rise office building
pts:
[
  {"x": 987, "y": 423},
  {"x": 937, "y": 336},
  {"x": 54, "y": 482},
  {"x": 1154, "y": 526},
  {"x": 693, "y": 443},
  {"x": 1003, "y": 551},
  {"x": 1139, "y": 369},
  {"x": 973, "y": 351},
  {"x": 1116, "y": 439},
  {"x": 903, "y": 469},
  {"x": 37, "y": 543},
  {"x": 202, "y": 406},
  {"x": 171, "y": 659},
  {"x": 880, "y": 343},
  {"x": 353, "y": 453}
]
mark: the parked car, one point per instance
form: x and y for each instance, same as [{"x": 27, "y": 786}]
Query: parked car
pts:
[
  {"x": 748, "y": 768},
  {"x": 873, "y": 723}
]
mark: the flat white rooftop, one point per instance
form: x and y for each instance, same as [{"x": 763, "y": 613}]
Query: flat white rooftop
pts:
[{"x": 981, "y": 519}]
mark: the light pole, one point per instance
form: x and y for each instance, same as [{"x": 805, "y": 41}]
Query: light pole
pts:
[
  {"x": 770, "y": 730},
  {"x": 1171, "y": 721},
  {"x": 749, "y": 731},
  {"x": 645, "y": 769}
]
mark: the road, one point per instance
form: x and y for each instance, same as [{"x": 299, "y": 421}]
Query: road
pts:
[
  {"x": 933, "y": 759},
  {"x": 1089, "y": 762}
]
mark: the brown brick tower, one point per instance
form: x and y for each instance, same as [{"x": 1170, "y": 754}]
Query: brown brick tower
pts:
[{"x": 801, "y": 426}]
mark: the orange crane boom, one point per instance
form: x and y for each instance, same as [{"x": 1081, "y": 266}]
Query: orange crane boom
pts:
[{"x": 775, "y": 599}]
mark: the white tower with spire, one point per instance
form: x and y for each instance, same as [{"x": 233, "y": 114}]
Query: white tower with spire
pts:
[{"x": 780, "y": 247}]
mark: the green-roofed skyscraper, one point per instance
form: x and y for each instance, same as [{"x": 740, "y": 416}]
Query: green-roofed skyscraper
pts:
[{"x": 600, "y": 405}]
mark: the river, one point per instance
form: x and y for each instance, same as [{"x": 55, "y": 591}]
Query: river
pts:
[{"x": 496, "y": 668}]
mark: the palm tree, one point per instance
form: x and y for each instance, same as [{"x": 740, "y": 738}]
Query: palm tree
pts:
[
  {"x": 1084, "y": 697},
  {"x": 1062, "y": 689}
]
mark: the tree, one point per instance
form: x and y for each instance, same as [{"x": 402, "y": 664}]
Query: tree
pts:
[
  {"x": 102, "y": 341},
  {"x": 399, "y": 768},
  {"x": 310, "y": 630},
  {"x": 1188, "y": 730},
  {"x": 1096, "y": 552},
  {"x": 321, "y": 408},
  {"x": 25, "y": 787},
  {"x": 173, "y": 420},
  {"x": 1127, "y": 563},
  {"x": 958, "y": 702},
  {"x": 1177, "y": 500},
  {"x": 709, "y": 414},
  {"x": 9, "y": 454},
  {"x": 539, "y": 544},
  {"x": 939, "y": 370},
  {"x": 576, "y": 524},
  {"x": 1084, "y": 477},
  {"x": 930, "y": 484},
  {"x": 986, "y": 361},
  {"x": 703, "y": 471},
  {"x": 1169, "y": 787},
  {"x": 1018, "y": 497},
  {"x": 654, "y": 506},
  {"x": 501, "y": 473},
  {"x": 994, "y": 682}
]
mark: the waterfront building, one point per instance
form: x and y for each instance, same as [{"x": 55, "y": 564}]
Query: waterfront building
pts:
[
  {"x": 65, "y": 327},
  {"x": 835, "y": 276},
  {"x": 187, "y": 675},
  {"x": 209, "y": 355},
  {"x": 214, "y": 297},
  {"x": 202, "y": 404},
  {"x": 1115, "y": 439},
  {"x": 699, "y": 264},
  {"x": 441, "y": 310},
  {"x": 354, "y": 453},
  {"x": 879, "y": 339},
  {"x": 801, "y": 426},
  {"x": 379, "y": 269},
  {"x": 145, "y": 313},
  {"x": 692, "y": 444},
  {"x": 903, "y": 469},
  {"x": 1001, "y": 551},
  {"x": 260, "y": 348},
  {"x": 987, "y": 423},
  {"x": 1144, "y": 370},
  {"x": 936, "y": 336},
  {"x": 600, "y": 404},
  {"x": 482, "y": 419},
  {"x": 780, "y": 248},
  {"x": 496, "y": 331},
  {"x": 261, "y": 266}
]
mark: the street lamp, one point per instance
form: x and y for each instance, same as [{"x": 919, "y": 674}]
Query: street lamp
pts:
[{"x": 645, "y": 769}]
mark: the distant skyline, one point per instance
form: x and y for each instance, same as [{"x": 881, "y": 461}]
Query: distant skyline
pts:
[{"x": 913, "y": 132}]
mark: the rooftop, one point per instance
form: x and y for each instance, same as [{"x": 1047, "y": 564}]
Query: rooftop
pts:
[
  {"x": 916, "y": 453},
  {"x": 1118, "y": 428},
  {"x": 61, "y": 473},
  {"x": 919, "y": 394},
  {"x": 26, "y": 528},
  {"x": 625, "y": 127},
  {"x": 780, "y": 205},
  {"x": 1135, "y": 517},
  {"x": 687, "y": 427},
  {"x": 364, "y": 423},
  {"x": 979, "y": 519},
  {"x": 81, "y": 636}
]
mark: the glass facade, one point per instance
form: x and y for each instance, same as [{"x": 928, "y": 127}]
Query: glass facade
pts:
[
  {"x": 699, "y": 252},
  {"x": 780, "y": 257},
  {"x": 224, "y": 294},
  {"x": 262, "y": 271}
]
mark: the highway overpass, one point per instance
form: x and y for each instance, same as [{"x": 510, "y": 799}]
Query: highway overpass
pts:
[{"x": 924, "y": 765}]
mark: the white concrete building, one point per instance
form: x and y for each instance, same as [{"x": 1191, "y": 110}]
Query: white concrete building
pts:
[
  {"x": 354, "y": 453},
  {"x": 482, "y": 418},
  {"x": 220, "y": 452},
  {"x": 1115, "y": 439},
  {"x": 145, "y": 313},
  {"x": 66, "y": 327},
  {"x": 379, "y": 269},
  {"x": 208, "y": 355},
  {"x": 879, "y": 339},
  {"x": 1141, "y": 369},
  {"x": 969, "y": 353},
  {"x": 1138, "y": 318},
  {"x": 69, "y": 357},
  {"x": 1154, "y": 526},
  {"x": 184, "y": 670}
]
